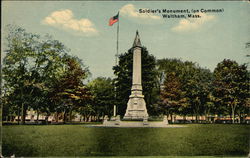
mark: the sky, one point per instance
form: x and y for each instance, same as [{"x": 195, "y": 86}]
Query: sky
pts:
[{"x": 82, "y": 26}]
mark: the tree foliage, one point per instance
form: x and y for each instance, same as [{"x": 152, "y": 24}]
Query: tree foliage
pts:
[
  {"x": 102, "y": 90},
  {"x": 32, "y": 67},
  {"x": 70, "y": 92},
  {"x": 231, "y": 86},
  {"x": 186, "y": 86},
  {"x": 172, "y": 97}
]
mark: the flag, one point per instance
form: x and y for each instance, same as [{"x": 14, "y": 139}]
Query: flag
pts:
[{"x": 113, "y": 19}]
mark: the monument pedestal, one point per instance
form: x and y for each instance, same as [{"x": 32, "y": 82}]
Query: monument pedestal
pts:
[
  {"x": 136, "y": 106},
  {"x": 136, "y": 109}
]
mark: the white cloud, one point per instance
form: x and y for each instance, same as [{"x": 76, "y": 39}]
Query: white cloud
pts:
[
  {"x": 65, "y": 19},
  {"x": 186, "y": 25},
  {"x": 130, "y": 11}
]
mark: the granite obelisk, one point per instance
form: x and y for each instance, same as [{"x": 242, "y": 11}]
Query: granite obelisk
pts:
[{"x": 136, "y": 106}]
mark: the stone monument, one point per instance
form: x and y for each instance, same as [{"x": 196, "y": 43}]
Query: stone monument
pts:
[{"x": 136, "y": 106}]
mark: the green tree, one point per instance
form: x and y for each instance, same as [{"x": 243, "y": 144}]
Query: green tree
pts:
[
  {"x": 86, "y": 111},
  {"x": 172, "y": 97},
  {"x": 231, "y": 86},
  {"x": 189, "y": 81},
  {"x": 51, "y": 65},
  {"x": 197, "y": 89},
  {"x": 18, "y": 64},
  {"x": 102, "y": 90},
  {"x": 123, "y": 80},
  {"x": 70, "y": 93},
  {"x": 32, "y": 68}
]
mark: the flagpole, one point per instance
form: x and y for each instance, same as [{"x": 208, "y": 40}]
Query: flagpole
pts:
[
  {"x": 116, "y": 60},
  {"x": 117, "y": 42}
]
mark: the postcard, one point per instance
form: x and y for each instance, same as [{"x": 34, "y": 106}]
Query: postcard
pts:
[{"x": 125, "y": 78}]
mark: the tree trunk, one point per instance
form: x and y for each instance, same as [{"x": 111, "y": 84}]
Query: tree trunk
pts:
[
  {"x": 241, "y": 117},
  {"x": 64, "y": 117},
  {"x": 171, "y": 116},
  {"x": 240, "y": 114},
  {"x": 23, "y": 114},
  {"x": 70, "y": 115},
  {"x": 18, "y": 118},
  {"x": 97, "y": 117},
  {"x": 88, "y": 118},
  {"x": 207, "y": 112},
  {"x": 233, "y": 115},
  {"x": 184, "y": 117},
  {"x": 84, "y": 118},
  {"x": 37, "y": 117},
  {"x": 57, "y": 117},
  {"x": 196, "y": 118},
  {"x": 168, "y": 114},
  {"x": 196, "y": 115},
  {"x": 47, "y": 119}
]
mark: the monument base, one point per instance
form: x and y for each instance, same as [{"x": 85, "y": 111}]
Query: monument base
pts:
[
  {"x": 136, "y": 108},
  {"x": 135, "y": 124}
]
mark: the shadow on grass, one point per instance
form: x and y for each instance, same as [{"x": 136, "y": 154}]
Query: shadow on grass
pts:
[
  {"x": 141, "y": 142},
  {"x": 196, "y": 140},
  {"x": 77, "y": 140},
  {"x": 16, "y": 147}
]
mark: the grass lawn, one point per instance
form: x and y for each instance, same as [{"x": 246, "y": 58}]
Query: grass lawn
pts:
[{"x": 77, "y": 140}]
